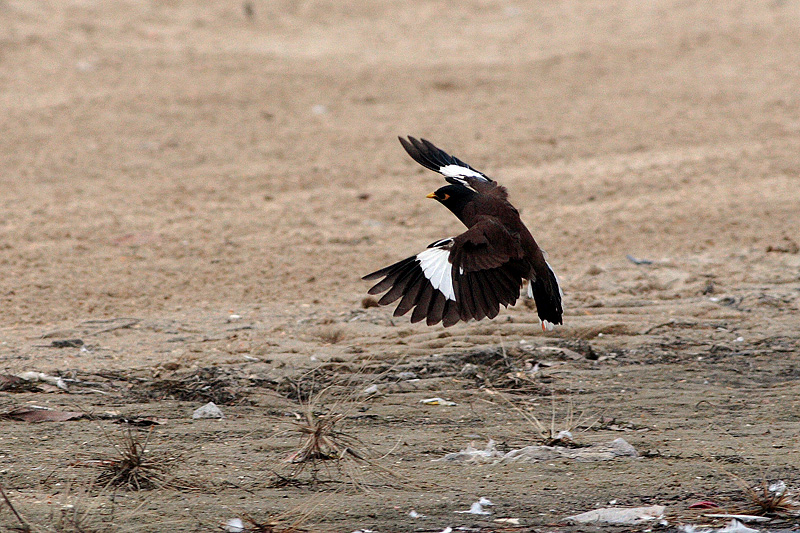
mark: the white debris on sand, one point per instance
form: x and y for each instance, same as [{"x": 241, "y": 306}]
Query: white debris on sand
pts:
[
  {"x": 41, "y": 376},
  {"x": 739, "y": 517},
  {"x": 733, "y": 527},
  {"x": 619, "y": 515},
  {"x": 209, "y": 410},
  {"x": 437, "y": 401},
  {"x": 234, "y": 525},
  {"x": 529, "y": 454},
  {"x": 478, "y": 507}
]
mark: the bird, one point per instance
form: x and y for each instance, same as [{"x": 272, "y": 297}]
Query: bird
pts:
[{"x": 469, "y": 276}]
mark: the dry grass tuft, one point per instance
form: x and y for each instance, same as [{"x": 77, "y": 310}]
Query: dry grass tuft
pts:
[
  {"x": 302, "y": 389},
  {"x": 327, "y": 452},
  {"x": 135, "y": 467},
  {"x": 330, "y": 334},
  {"x": 769, "y": 499},
  {"x": 322, "y": 441},
  {"x": 322, "y": 446},
  {"x": 557, "y": 432},
  {"x": 369, "y": 301},
  {"x": 210, "y": 384}
]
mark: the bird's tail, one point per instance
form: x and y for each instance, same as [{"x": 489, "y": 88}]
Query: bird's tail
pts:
[{"x": 546, "y": 292}]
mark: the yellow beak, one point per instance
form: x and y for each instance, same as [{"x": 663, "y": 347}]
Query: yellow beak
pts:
[{"x": 431, "y": 195}]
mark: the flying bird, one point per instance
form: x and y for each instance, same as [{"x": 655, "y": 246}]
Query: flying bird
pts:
[{"x": 470, "y": 275}]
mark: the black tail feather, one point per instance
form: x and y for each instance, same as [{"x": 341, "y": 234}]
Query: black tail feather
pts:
[{"x": 547, "y": 295}]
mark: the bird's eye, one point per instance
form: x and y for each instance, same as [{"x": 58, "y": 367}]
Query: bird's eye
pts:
[{"x": 446, "y": 197}]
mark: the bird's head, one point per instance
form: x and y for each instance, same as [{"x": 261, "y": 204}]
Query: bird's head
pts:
[{"x": 454, "y": 197}]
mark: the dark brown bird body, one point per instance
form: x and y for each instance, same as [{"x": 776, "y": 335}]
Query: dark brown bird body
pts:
[{"x": 469, "y": 276}]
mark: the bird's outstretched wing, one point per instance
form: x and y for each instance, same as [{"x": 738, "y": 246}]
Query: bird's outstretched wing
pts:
[
  {"x": 452, "y": 168},
  {"x": 459, "y": 278}
]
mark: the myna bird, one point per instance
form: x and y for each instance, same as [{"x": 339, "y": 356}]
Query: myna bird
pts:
[{"x": 469, "y": 276}]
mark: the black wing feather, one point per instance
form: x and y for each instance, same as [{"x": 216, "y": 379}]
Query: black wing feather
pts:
[
  {"x": 451, "y": 314},
  {"x": 491, "y": 306},
  {"x": 425, "y": 296},
  {"x": 410, "y": 298},
  {"x": 430, "y": 156},
  {"x": 400, "y": 284},
  {"x": 476, "y": 295},
  {"x": 436, "y": 308},
  {"x": 466, "y": 306}
]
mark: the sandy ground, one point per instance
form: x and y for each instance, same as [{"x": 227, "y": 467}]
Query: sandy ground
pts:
[{"x": 166, "y": 165}]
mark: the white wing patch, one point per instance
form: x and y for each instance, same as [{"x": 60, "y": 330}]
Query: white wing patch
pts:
[
  {"x": 438, "y": 270},
  {"x": 457, "y": 171}
]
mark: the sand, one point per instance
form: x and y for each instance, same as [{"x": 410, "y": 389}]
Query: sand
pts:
[{"x": 194, "y": 189}]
